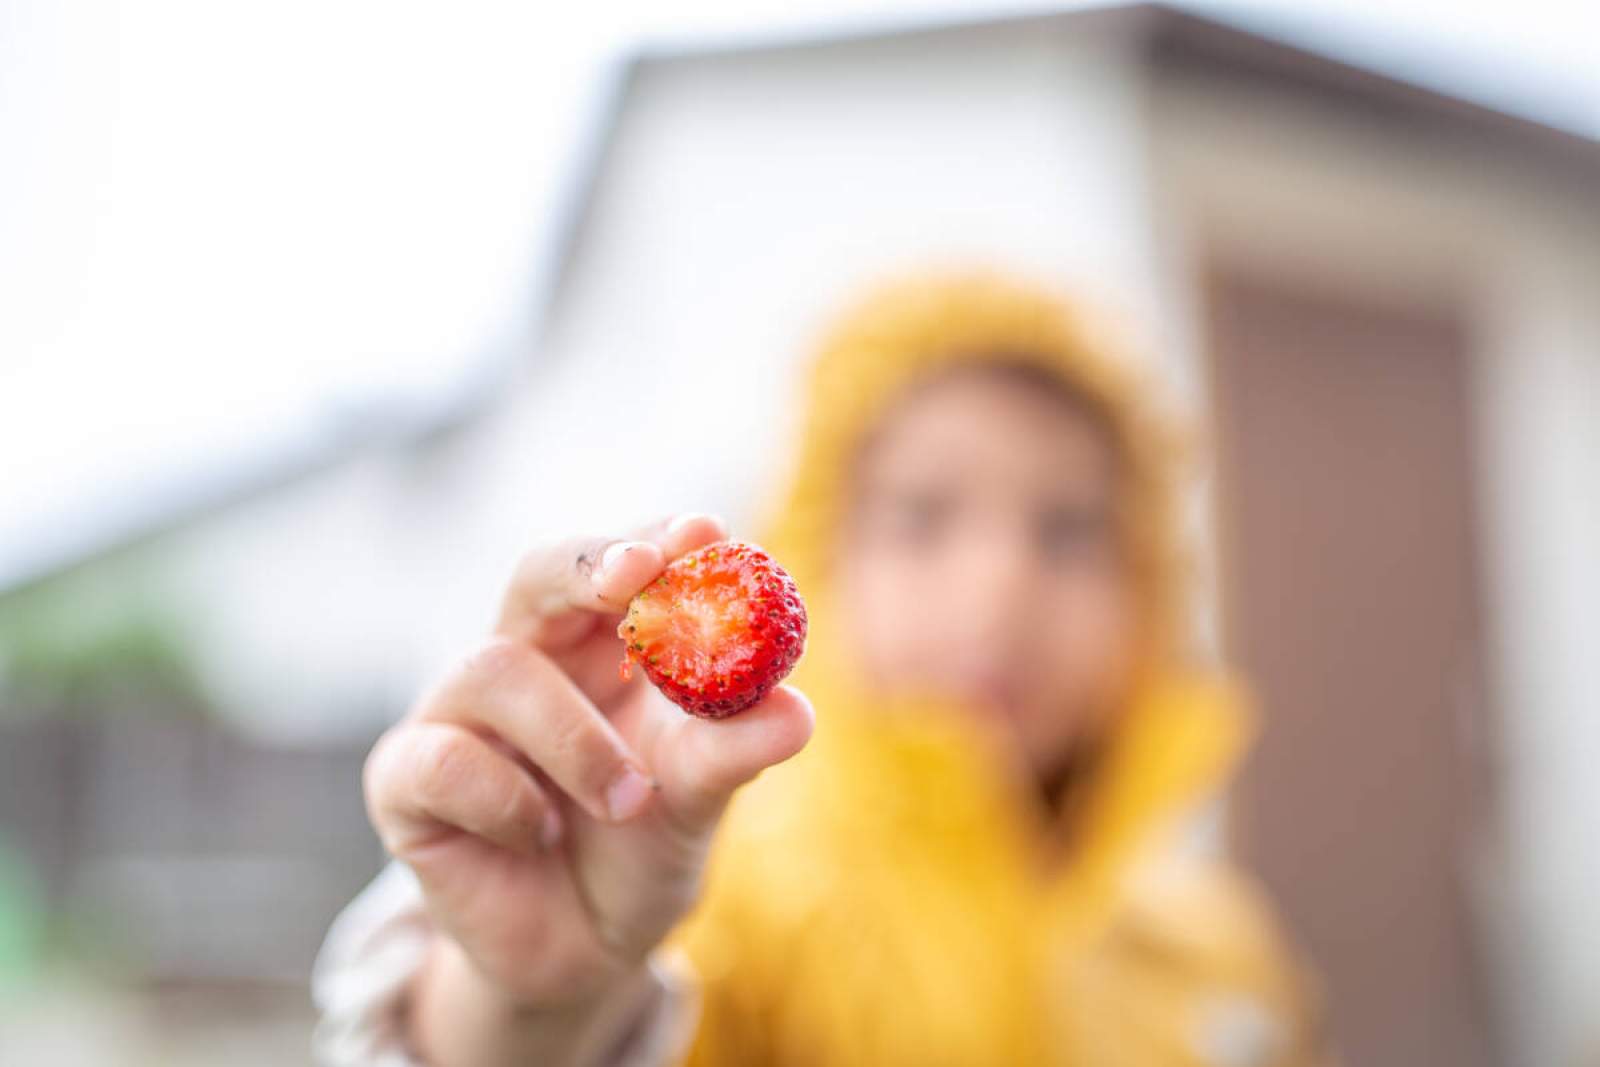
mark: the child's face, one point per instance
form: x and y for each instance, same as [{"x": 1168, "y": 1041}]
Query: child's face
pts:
[{"x": 982, "y": 558}]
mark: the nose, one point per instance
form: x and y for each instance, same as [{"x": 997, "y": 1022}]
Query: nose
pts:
[
  {"x": 993, "y": 589},
  {"x": 984, "y": 638}
]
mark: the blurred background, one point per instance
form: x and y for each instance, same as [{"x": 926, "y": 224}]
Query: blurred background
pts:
[{"x": 313, "y": 315}]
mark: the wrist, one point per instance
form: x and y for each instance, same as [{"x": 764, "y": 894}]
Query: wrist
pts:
[{"x": 460, "y": 1016}]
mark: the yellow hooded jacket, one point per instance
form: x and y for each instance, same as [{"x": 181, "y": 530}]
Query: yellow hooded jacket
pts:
[{"x": 888, "y": 896}]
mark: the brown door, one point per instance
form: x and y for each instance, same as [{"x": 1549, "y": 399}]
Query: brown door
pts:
[{"x": 1350, "y": 599}]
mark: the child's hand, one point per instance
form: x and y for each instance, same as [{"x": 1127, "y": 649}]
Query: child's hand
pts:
[{"x": 557, "y": 816}]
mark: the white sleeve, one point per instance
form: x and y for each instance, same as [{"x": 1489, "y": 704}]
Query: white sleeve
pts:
[
  {"x": 361, "y": 984},
  {"x": 363, "y": 974}
]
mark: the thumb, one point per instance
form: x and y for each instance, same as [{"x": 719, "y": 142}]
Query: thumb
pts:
[{"x": 702, "y": 761}]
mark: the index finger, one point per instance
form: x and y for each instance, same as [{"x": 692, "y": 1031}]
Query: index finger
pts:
[{"x": 559, "y": 592}]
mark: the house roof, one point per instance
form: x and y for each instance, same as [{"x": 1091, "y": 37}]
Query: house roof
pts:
[
  {"x": 1176, "y": 36},
  {"x": 1184, "y": 40},
  {"x": 1168, "y": 38}
]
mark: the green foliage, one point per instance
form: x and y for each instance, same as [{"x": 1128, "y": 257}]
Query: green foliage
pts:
[
  {"x": 22, "y": 919},
  {"x": 92, "y": 643}
]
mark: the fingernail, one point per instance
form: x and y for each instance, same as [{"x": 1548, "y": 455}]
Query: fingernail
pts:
[
  {"x": 549, "y": 829},
  {"x": 680, "y": 521},
  {"x": 627, "y": 796},
  {"x": 612, "y": 556}
]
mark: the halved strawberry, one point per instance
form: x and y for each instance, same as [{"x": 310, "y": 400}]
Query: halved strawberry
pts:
[{"x": 717, "y": 629}]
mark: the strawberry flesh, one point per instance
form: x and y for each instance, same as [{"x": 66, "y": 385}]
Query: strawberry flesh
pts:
[{"x": 717, "y": 629}]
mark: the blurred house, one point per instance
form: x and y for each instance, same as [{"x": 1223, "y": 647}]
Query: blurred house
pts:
[{"x": 1382, "y": 298}]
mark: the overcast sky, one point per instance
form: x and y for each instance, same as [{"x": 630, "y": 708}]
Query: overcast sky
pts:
[{"x": 225, "y": 226}]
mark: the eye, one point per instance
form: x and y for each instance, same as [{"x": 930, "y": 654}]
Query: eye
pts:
[
  {"x": 917, "y": 517},
  {"x": 1072, "y": 531}
]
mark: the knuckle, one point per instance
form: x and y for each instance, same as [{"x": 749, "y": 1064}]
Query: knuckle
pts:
[
  {"x": 579, "y": 752},
  {"x": 520, "y": 809},
  {"x": 495, "y": 658},
  {"x": 555, "y": 562},
  {"x": 583, "y": 555},
  {"x": 595, "y": 759},
  {"x": 443, "y": 763}
]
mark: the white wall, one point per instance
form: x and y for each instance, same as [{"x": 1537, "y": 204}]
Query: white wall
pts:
[
  {"x": 1299, "y": 191},
  {"x": 310, "y": 605}
]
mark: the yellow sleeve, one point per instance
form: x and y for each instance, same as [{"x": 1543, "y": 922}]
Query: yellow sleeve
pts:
[
  {"x": 732, "y": 946},
  {"x": 732, "y": 993},
  {"x": 1196, "y": 973}
]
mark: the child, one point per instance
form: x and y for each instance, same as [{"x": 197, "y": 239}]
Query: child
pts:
[{"x": 986, "y": 853}]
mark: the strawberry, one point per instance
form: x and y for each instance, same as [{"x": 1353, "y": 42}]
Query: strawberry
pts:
[{"x": 717, "y": 629}]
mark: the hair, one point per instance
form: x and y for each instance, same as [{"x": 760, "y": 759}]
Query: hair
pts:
[
  {"x": 1003, "y": 367},
  {"x": 1028, "y": 371}
]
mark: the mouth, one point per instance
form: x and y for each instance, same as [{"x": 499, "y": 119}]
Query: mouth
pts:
[{"x": 996, "y": 695}]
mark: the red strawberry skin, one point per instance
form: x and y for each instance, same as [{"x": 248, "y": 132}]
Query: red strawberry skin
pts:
[{"x": 717, "y": 629}]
